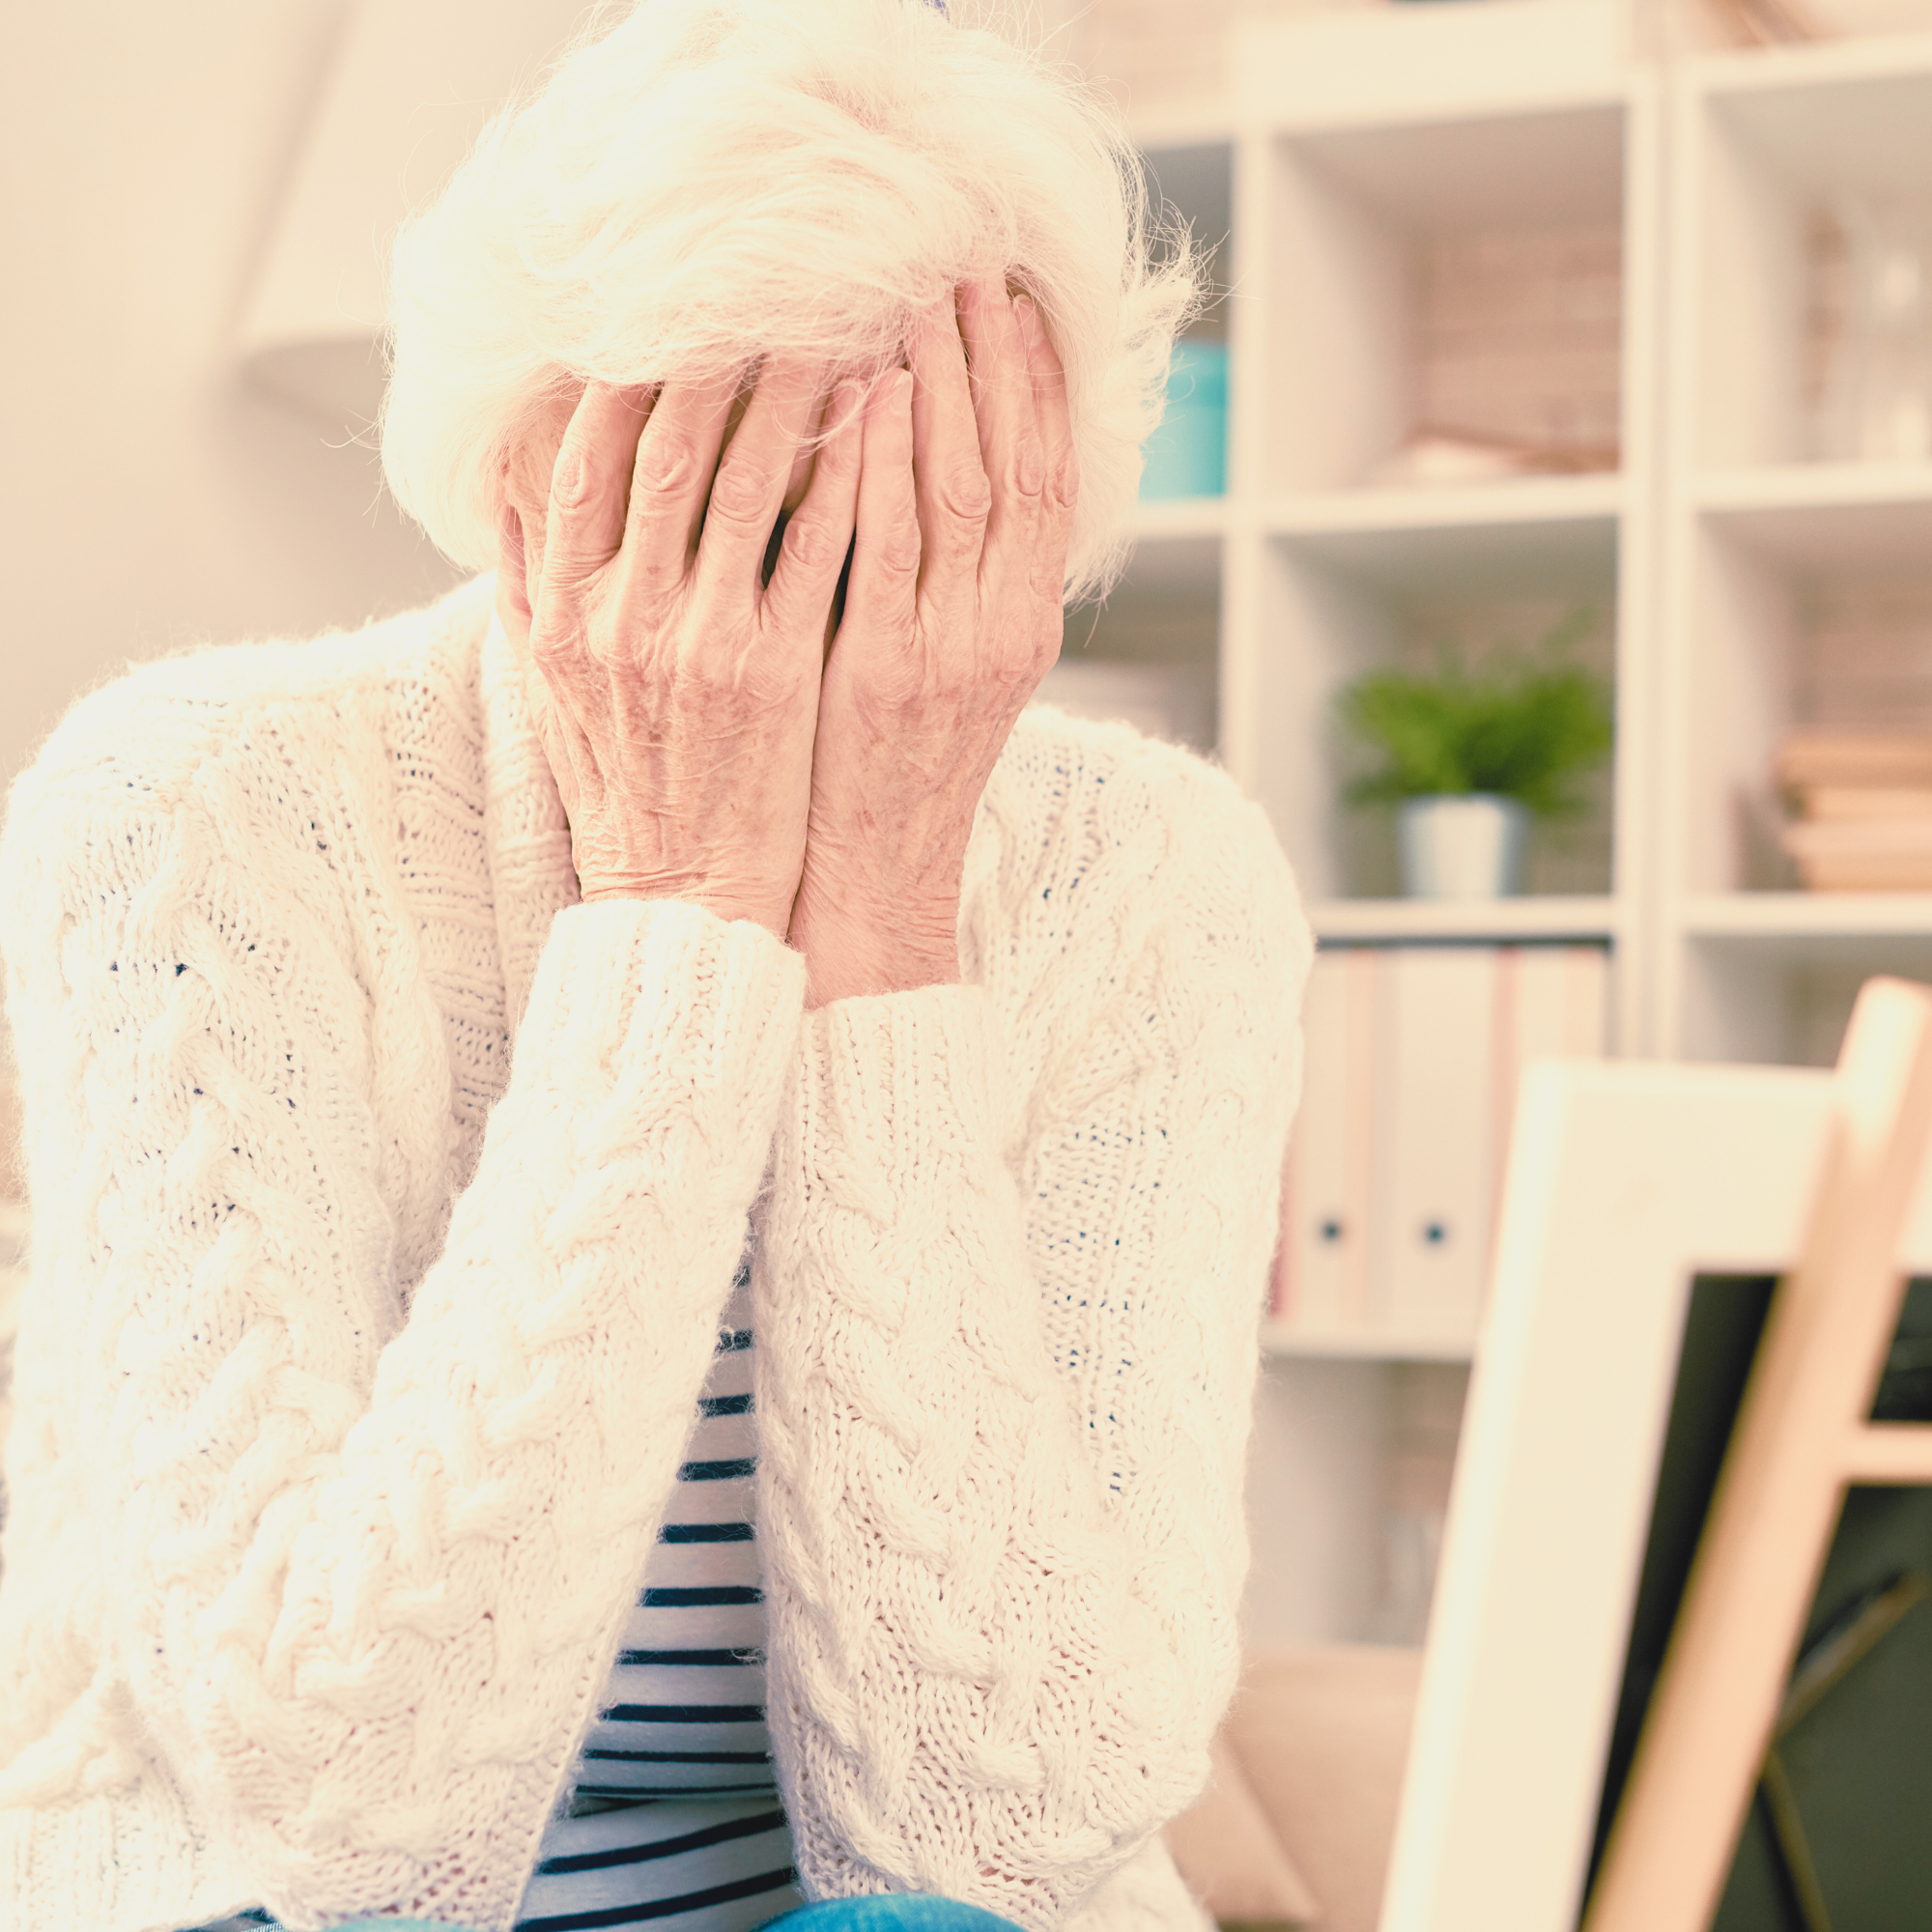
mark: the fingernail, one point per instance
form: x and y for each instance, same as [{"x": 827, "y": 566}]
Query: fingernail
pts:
[{"x": 903, "y": 389}]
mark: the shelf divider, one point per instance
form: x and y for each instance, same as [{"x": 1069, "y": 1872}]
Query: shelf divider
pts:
[
  {"x": 1280, "y": 1338},
  {"x": 1395, "y": 922},
  {"x": 1525, "y": 499},
  {"x": 1803, "y": 915}
]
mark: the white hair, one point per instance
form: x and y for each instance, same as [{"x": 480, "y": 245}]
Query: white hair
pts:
[{"x": 708, "y": 181}]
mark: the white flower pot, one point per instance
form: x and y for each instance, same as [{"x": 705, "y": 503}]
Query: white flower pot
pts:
[{"x": 1462, "y": 846}]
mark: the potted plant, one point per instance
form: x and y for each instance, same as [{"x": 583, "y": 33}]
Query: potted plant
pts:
[{"x": 1470, "y": 755}]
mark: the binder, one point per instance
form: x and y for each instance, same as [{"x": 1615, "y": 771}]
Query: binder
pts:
[
  {"x": 1437, "y": 1140},
  {"x": 1322, "y": 1269},
  {"x": 1412, "y": 1059},
  {"x": 1552, "y": 1001}
]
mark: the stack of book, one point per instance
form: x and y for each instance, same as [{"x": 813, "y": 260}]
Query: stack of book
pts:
[{"x": 1862, "y": 804}]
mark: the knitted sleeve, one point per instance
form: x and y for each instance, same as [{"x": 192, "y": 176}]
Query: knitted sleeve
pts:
[
  {"x": 369, "y": 1572},
  {"x": 1008, "y": 1347}
]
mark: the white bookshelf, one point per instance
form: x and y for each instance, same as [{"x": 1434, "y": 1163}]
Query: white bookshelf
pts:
[
  {"x": 1756, "y": 534},
  {"x": 1347, "y": 145}
]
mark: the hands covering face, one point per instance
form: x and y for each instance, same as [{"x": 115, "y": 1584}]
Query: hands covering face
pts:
[{"x": 708, "y": 741}]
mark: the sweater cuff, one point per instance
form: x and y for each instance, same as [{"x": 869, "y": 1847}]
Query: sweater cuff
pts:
[
  {"x": 892, "y": 1092},
  {"x": 669, "y": 982}
]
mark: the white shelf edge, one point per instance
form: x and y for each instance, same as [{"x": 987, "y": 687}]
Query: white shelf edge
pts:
[
  {"x": 1822, "y": 63},
  {"x": 1157, "y": 517},
  {"x": 1392, "y": 117},
  {"x": 1500, "y": 920},
  {"x": 1383, "y": 69},
  {"x": 1541, "y": 500},
  {"x": 1279, "y": 1338},
  {"x": 1804, "y": 915},
  {"x": 1812, "y": 485}
]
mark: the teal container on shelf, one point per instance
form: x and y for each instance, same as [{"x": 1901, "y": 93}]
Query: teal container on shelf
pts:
[{"x": 1187, "y": 455}]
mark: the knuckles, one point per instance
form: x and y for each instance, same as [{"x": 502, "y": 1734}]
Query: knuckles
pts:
[
  {"x": 1065, "y": 483},
  {"x": 665, "y": 464},
  {"x": 1029, "y": 470},
  {"x": 577, "y": 483},
  {"x": 965, "y": 495},
  {"x": 739, "y": 492},
  {"x": 810, "y": 541}
]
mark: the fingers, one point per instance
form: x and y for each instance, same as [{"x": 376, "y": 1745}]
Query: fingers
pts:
[
  {"x": 812, "y": 554},
  {"x": 584, "y": 523},
  {"x": 669, "y": 482},
  {"x": 1011, "y": 450},
  {"x": 885, "y": 556},
  {"x": 951, "y": 489},
  {"x": 1056, "y": 432},
  {"x": 750, "y": 487},
  {"x": 802, "y": 462}
]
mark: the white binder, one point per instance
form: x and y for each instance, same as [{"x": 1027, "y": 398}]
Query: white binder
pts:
[
  {"x": 1412, "y": 1059},
  {"x": 1438, "y": 1140},
  {"x": 1552, "y": 1003},
  {"x": 1321, "y": 1282}
]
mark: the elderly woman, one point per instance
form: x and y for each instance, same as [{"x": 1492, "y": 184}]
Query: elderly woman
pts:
[{"x": 651, "y": 1198}]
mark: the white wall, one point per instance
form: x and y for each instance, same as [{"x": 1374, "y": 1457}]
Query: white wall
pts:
[{"x": 148, "y": 498}]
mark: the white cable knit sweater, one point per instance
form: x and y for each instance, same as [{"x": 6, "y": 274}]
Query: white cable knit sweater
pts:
[{"x": 385, "y": 1201}]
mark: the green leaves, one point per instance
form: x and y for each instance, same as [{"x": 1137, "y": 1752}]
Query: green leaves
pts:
[{"x": 1527, "y": 727}]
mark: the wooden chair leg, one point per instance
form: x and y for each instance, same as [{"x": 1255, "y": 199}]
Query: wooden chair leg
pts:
[{"x": 1800, "y": 1437}]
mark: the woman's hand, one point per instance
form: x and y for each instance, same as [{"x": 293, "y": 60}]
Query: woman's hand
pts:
[
  {"x": 676, "y": 699},
  {"x": 951, "y": 617}
]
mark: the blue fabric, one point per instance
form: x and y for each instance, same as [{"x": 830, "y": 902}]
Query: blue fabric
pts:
[
  {"x": 881, "y": 1912},
  {"x": 399, "y": 1925},
  {"x": 890, "y": 1912}
]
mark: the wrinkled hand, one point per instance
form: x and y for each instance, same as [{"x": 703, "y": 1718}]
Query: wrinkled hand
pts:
[
  {"x": 676, "y": 692},
  {"x": 953, "y": 615}
]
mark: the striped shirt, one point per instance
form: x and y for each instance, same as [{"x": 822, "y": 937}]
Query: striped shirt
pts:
[{"x": 676, "y": 1812}]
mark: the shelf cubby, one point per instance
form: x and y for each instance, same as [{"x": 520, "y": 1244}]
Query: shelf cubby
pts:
[
  {"x": 1157, "y": 639},
  {"x": 1772, "y": 145},
  {"x": 1195, "y": 180},
  {"x": 1784, "y": 998},
  {"x": 1455, "y": 274},
  {"x": 1348, "y": 1441},
  {"x": 1339, "y": 600},
  {"x": 1798, "y": 614}
]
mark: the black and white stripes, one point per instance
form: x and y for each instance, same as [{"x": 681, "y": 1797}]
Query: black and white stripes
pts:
[{"x": 676, "y": 1812}]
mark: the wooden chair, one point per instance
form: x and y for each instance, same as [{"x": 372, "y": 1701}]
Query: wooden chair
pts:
[{"x": 1800, "y": 1438}]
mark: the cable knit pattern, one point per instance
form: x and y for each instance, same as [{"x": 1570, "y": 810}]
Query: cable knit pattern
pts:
[{"x": 385, "y": 1201}]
